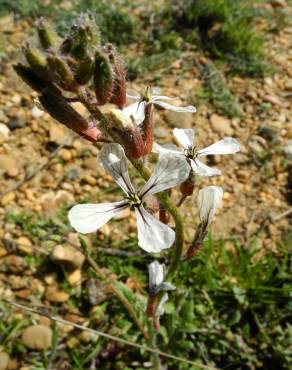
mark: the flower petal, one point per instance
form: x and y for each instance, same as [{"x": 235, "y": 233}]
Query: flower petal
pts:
[
  {"x": 87, "y": 218},
  {"x": 187, "y": 109},
  {"x": 165, "y": 286},
  {"x": 137, "y": 111},
  {"x": 170, "y": 171},
  {"x": 166, "y": 149},
  {"x": 160, "y": 308},
  {"x": 156, "y": 275},
  {"x": 209, "y": 199},
  {"x": 185, "y": 136},
  {"x": 115, "y": 163},
  {"x": 202, "y": 169},
  {"x": 161, "y": 97},
  {"x": 134, "y": 97},
  {"x": 153, "y": 235},
  {"x": 228, "y": 145}
]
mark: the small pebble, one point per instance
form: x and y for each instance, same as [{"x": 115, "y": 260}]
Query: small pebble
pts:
[
  {"x": 37, "y": 337},
  {"x": 4, "y": 360}
]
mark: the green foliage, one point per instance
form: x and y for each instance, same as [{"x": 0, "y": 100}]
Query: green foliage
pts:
[
  {"x": 236, "y": 311},
  {"x": 114, "y": 22},
  {"x": 217, "y": 91},
  {"x": 225, "y": 29},
  {"x": 28, "y": 8},
  {"x": 231, "y": 306}
]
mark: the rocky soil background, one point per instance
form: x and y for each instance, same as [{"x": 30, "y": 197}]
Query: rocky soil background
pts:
[{"x": 45, "y": 169}]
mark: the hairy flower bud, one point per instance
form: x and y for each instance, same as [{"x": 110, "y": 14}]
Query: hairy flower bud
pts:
[
  {"x": 36, "y": 60},
  {"x": 201, "y": 233},
  {"x": 62, "y": 111},
  {"x": 83, "y": 71},
  {"x": 47, "y": 37},
  {"x": 119, "y": 96},
  {"x": 129, "y": 132},
  {"x": 147, "y": 128},
  {"x": 61, "y": 73},
  {"x": 34, "y": 81},
  {"x": 83, "y": 33},
  {"x": 164, "y": 216},
  {"x": 103, "y": 78},
  {"x": 187, "y": 187}
]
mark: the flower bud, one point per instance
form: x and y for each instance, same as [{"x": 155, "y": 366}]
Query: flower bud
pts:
[
  {"x": 197, "y": 243},
  {"x": 47, "y": 37},
  {"x": 83, "y": 33},
  {"x": 61, "y": 72},
  {"x": 33, "y": 80},
  {"x": 120, "y": 120},
  {"x": 103, "y": 78},
  {"x": 164, "y": 216},
  {"x": 151, "y": 306},
  {"x": 147, "y": 128},
  {"x": 187, "y": 187},
  {"x": 84, "y": 70},
  {"x": 129, "y": 132},
  {"x": 119, "y": 96},
  {"x": 62, "y": 111},
  {"x": 36, "y": 60}
]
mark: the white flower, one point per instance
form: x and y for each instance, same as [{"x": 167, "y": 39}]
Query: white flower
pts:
[
  {"x": 209, "y": 199},
  {"x": 186, "y": 138},
  {"x": 156, "y": 279},
  {"x": 153, "y": 235},
  {"x": 160, "y": 308},
  {"x": 137, "y": 110},
  {"x": 156, "y": 274}
]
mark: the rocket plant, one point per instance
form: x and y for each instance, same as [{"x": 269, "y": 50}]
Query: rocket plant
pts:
[{"x": 79, "y": 68}]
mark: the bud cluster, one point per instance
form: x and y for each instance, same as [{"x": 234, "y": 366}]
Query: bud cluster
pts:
[{"x": 60, "y": 70}]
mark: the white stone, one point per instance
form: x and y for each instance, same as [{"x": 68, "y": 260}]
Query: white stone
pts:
[{"x": 36, "y": 112}]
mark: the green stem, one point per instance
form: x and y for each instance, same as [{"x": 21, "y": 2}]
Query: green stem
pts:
[
  {"x": 179, "y": 226},
  {"x": 119, "y": 295},
  {"x": 152, "y": 343}
]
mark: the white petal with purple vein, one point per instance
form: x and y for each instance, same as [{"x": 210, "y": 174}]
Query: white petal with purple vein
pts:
[
  {"x": 153, "y": 235},
  {"x": 209, "y": 199},
  {"x": 202, "y": 169},
  {"x": 188, "y": 109},
  {"x": 170, "y": 171},
  {"x": 137, "y": 111},
  {"x": 156, "y": 274},
  {"x": 185, "y": 136},
  {"x": 166, "y": 149},
  {"x": 228, "y": 145},
  {"x": 115, "y": 163},
  {"x": 87, "y": 218}
]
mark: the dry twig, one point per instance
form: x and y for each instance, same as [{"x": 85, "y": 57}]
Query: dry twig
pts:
[{"x": 109, "y": 336}]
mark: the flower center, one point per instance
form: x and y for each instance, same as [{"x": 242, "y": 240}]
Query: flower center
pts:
[
  {"x": 146, "y": 96},
  {"x": 191, "y": 153},
  {"x": 134, "y": 200}
]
